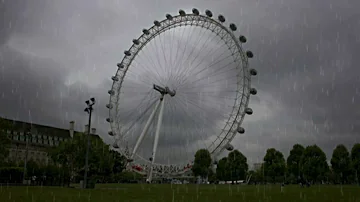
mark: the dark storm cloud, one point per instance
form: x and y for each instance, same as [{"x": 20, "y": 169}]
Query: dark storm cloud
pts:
[
  {"x": 305, "y": 51},
  {"x": 30, "y": 91},
  {"x": 307, "y": 62}
]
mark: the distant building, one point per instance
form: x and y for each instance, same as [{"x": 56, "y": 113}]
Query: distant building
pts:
[
  {"x": 257, "y": 166},
  {"x": 40, "y": 139}
]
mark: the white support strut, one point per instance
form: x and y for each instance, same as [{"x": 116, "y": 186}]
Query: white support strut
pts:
[
  {"x": 146, "y": 128},
  {"x": 156, "y": 139}
]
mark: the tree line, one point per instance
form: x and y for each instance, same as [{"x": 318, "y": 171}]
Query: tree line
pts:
[
  {"x": 304, "y": 164},
  {"x": 66, "y": 163}
]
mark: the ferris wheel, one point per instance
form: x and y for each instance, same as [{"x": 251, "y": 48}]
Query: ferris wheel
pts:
[{"x": 183, "y": 85}]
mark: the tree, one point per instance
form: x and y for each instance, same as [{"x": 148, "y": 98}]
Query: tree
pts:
[
  {"x": 103, "y": 163},
  {"x": 355, "y": 160},
  {"x": 274, "y": 164},
  {"x": 221, "y": 171},
  {"x": 119, "y": 162},
  {"x": 202, "y": 163},
  {"x": 293, "y": 161},
  {"x": 237, "y": 165},
  {"x": 5, "y": 142},
  {"x": 340, "y": 162},
  {"x": 313, "y": 163}
]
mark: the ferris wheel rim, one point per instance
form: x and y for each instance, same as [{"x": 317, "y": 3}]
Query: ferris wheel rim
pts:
[{"x": 170, "y": 24}]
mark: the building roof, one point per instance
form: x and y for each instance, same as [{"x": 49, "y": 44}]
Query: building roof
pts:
[{"x": 36, "y": 128}]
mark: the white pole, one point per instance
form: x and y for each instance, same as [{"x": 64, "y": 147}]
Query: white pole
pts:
[
  {"x": 147, "y": 125},
  {"x": 156, "y": 140}
]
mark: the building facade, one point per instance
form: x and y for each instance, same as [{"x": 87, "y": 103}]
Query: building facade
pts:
[
  {"x": 257, "y": 166},
  {"x": 33, "y": 141}
]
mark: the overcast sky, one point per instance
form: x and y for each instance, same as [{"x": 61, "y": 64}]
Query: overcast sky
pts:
[{"x": 56, "y": 54}]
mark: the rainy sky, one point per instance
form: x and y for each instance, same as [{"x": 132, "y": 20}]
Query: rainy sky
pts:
[{"x": 56, "y": 54}]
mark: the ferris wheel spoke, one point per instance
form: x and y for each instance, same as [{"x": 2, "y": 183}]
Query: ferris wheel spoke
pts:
[
  {"x": 189, "y": 117},
  {"x": 203, "y": 99},
  {"x": 158, "y": 54},
  {"x": 166, "y": 69},
  {"x": 183, "y": 53},
  {"x": 205, "y": 45},
  {"x": 204, "y": 118},
  {"x": 211, "y": 84},
  {"x": 149, "y": 74},
  {"x": 205, "y": 67},
  {"x": 212, "y": 51},
  {"x": 209, "y": 76},
  {"x": 157, "y": 58},
  {"x": 139, "y": 106},
  {"x": 200, "y": 35},
  {"x": 155, "y": 67}
]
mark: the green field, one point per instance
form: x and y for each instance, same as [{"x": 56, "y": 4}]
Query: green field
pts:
[{"x": 185, "y": 193}]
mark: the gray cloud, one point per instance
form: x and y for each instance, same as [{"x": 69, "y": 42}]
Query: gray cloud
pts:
[{"x": 56, "y": 54}]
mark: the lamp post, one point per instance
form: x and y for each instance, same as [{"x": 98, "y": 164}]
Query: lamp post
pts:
[{"x": 89, "y": 110}]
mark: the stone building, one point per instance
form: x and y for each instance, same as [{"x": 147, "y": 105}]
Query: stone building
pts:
[
  {"x": 39, "y": 138},
  {"x": 257, "y": 166}
]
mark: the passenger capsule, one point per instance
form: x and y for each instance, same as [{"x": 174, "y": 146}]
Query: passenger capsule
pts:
[
  {"x": 130, "y": 160},
  {"x": 242, "y": 39},
  {"x": 208, "y": 13},
  {"x": 195, "y": 11},
  {"x": 182, "y": 12},
  {"x": 229, "y": 147},
  {"x": 241, "y": 130},
  {"x": 127, "y": 53},
  {"x": 114, "y": 78},
  {"x": 146, "y": 32},
  {"x": 109, "y": 106},
  {"x": 157, "y": 23},
  {"x": 116, "y": 146},
  {"x": 136, "y": 42},
  {"x": 253, "y": 72},
  {"x": 249, "y": 54},
  {"x": 169, "y": 17},
  {"x": 248, "y": 111},
  {"x": 221, "y": 18},
  {"x": 111, "y": 92},
  {"x": 109, "y": 120},
  {"x": 253, "y": 91},
  {"x": 111, "y": 133},
  {"x": 120, "y": 65},
  {"x": 233, "y": 27}
]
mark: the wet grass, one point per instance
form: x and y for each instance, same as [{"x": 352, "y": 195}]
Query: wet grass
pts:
[{"x": 185, "y": 193}]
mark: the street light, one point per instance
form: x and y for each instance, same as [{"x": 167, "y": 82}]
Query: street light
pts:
[{"x": 89, "y": 110}]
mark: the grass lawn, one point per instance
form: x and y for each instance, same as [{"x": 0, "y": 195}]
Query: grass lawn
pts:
[{"x": 185, "y": 193}]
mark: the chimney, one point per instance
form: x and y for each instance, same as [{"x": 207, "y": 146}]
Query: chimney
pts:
[
  {"x": 93, "y": 131},
  {"x": 71, "y": 129},
  {"x": 86, "y": 129}
]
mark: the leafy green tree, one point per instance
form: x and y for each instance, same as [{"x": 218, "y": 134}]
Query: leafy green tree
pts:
[
  {"x": 237, "y": 165},
  {"x": 340, "y": 163},
  {"x": 313, "y": 163},
  {"x": 355, "y": 160},
  {"x": 70, "y": 156},
  {"x": 5, "y": 142},
  {"x": 293, "y": 160},
  {"x": 221, "y": 171},
  {"x": 202, "y": 163},
  {"x": 119, "y": 162},
  {"x": 274, "y": 164}
]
